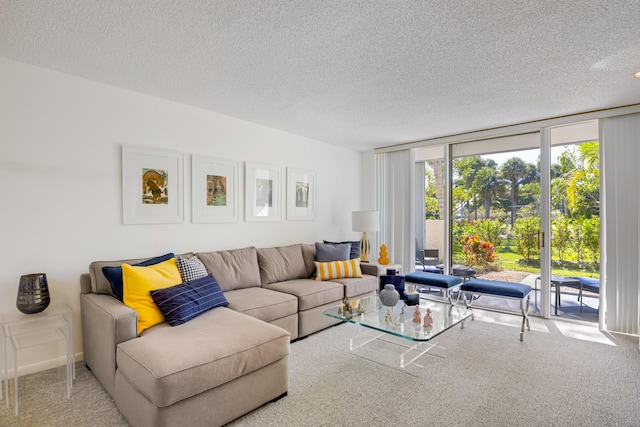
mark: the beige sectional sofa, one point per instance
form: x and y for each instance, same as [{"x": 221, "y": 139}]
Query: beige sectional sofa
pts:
[{"x": 223, "y": 363}]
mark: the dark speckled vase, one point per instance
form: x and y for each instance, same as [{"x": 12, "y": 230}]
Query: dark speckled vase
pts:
[{"x": 33, "y": 293}]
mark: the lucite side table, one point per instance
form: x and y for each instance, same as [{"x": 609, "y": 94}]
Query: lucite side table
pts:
[{"x": 23, "y": 331}]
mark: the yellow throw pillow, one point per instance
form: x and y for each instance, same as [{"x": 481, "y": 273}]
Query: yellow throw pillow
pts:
[
  {"x": 140, "y": 281},
  {"x": 338, "y": 269}
]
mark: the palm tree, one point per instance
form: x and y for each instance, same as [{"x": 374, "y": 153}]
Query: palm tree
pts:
[
  {"x": 590, "y": 154},
  {"x": 488, "y": 184},
  {"x": 466, "y": 170},
  {"x": 517, "y": 172},
  {"x": 580, "y": 180}
]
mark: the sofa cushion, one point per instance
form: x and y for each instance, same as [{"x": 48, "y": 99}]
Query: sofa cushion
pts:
[
  {"x": 261, "y": 303},
  {"x": 140, "y": 281},
  {"x": 114, "y": 273},
  {"x": 326, "y": 252},
  {"x": 234, "y": 269},
  {"x": 358, "y": 286},
  {"x": 190, "y": 268},
  {"x": 338, "y": 269},
  {"x": 310, "y": 293},
  {"x": 183, "y": 302},
  {"x": 281, "y": 263},
  {"x": 212, "y": 349}
]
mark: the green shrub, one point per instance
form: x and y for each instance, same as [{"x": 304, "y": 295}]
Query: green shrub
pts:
[{"x": 526, "y": 233}]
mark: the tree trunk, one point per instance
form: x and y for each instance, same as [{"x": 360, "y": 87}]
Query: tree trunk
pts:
[
  {"x": 475, "y": 208},
  {"x": 437, "y": 174},
  {"x": 487, "y": 206},
  {"x": 513, "y": 203}
]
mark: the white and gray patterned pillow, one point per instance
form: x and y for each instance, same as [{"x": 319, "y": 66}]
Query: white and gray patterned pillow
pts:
[{"x": 190, "y": 268}]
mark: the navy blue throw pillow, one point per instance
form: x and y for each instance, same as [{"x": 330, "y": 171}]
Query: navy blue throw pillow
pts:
[
  {"x": 355, "y": 248},
  {"x": 114, "y": 274},
  {"x": 181, "y": 303}
]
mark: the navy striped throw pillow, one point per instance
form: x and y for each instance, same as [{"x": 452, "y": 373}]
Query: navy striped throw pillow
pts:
[{"x": 183, "y": 302}]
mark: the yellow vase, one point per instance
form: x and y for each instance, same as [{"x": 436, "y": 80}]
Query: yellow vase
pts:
[{"x": 384, "y": 255}]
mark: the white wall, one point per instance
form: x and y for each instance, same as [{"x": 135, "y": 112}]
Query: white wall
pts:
[{"x": 60, "y": 179}]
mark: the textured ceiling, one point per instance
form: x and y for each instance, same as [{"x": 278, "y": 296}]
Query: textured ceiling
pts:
[{"x": 362, "y": 74}]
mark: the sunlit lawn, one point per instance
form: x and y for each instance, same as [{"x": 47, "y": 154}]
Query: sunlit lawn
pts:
[{"x": 510, "y": 260}]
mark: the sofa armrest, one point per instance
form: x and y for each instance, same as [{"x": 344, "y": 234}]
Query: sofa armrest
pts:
[
  {"x": 85, "y": 283},
  {"x": 369, "y": 269},
  {"x": 106, "y": 322}
]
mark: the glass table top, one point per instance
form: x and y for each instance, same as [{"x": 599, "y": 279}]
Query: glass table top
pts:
[{"x": 399, "y": 320}]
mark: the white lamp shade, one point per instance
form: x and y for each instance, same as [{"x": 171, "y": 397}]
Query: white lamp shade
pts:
[{"x": 365, "y": 221}]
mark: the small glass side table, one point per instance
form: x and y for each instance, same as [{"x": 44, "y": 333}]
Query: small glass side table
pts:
[{"x": 22, "y": 331}]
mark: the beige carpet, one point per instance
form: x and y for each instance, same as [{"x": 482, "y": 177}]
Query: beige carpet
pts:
[{"x": 563, "y": 374}]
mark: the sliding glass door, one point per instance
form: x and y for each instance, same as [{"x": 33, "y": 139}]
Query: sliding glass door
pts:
[
  {"x": 496, "y": 212},
  {"x": 575, "y": 221}
]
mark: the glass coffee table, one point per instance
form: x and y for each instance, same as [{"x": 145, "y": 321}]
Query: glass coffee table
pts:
[{"x": 372, "y": 316}]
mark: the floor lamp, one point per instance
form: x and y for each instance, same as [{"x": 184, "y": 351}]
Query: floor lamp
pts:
[{"x": 365, "y": 221}]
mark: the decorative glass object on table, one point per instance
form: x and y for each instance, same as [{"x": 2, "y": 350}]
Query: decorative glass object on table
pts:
[{"x": 19, "y": 332}]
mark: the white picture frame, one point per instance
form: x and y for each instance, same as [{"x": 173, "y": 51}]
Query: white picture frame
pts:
[
  {"x": 262, "y": 192},
  {"x": 301, "y": 195},
  {"x": 152, "y": 185},
  {"x": 214, "y": 190}
]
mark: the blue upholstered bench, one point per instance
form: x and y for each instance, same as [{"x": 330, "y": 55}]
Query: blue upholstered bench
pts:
[
  {"x": 494, "y": 288},
  {"x": 448, "y": 284},
  {"x": 590, "y": 284},
  {"x": 432, "y": 269}
]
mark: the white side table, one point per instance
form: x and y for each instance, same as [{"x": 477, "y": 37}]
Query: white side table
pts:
[
  {"x": 22, "y": 331},
  {"x": 382, "y": 269}
]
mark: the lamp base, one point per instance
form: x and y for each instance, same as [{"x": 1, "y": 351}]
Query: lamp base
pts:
[{"x": 365, "y": 248}]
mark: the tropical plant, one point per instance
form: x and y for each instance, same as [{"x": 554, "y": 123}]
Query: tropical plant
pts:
[
  {"x": 478, "y": 253},
  {"x": 578, "y": 239},
  {"x": 580, "y": 180},
  {"x": 591, "y": 233},
  {"x": 561, "y": 238},
  {"x": 490, "y": 230},
  {"x": 525, "y": 231}
]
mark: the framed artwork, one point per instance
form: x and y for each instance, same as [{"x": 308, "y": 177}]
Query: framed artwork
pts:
[
  {"x": 301, "y": 194},
  {"x": 262, "y": 192},
  {"x": 214, "y": 190},
  {"x": 151, "y": 185}
]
